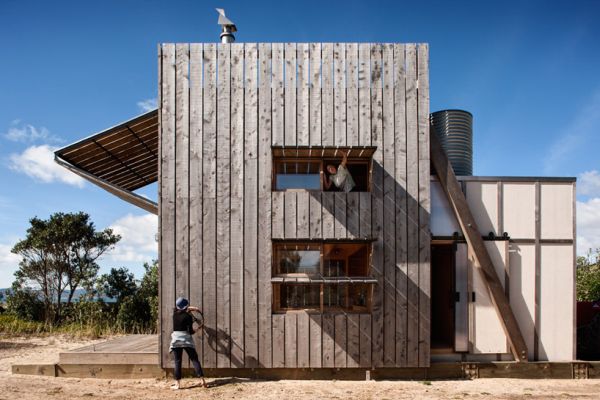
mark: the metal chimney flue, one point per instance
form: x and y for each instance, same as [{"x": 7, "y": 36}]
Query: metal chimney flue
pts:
[{"x": 227, "y": 27}]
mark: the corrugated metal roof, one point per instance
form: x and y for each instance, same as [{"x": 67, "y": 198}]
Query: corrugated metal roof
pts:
[{"x": 125, "y": 155}]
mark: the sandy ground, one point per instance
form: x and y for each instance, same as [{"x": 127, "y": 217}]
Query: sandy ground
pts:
[{"x": 45, "y": 350}]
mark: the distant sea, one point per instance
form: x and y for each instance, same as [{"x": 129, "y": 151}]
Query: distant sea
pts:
[{"x": 78, "y": 293}]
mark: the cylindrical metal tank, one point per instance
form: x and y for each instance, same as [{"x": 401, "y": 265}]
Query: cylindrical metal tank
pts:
[{"x": 454, "y": 128}]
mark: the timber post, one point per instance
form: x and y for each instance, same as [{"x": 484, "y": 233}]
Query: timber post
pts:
[{"x": 472, "y": 235}]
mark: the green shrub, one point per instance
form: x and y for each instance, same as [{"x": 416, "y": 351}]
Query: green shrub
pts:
[
  {"x": 134, "y": 315},
  {"x": 90, "y": 312},
  {"x": 25, "y": 304}
]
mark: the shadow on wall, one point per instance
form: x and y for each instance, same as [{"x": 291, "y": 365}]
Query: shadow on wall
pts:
[
  {"x": 526, "y": 322},
  {"x": 396, "y": 333}
]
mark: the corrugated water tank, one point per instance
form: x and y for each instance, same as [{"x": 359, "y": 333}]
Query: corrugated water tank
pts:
[{"x": 454, "y": 128}]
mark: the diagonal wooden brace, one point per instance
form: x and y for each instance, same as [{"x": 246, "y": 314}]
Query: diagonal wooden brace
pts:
[{"x": 483, "y": 262}]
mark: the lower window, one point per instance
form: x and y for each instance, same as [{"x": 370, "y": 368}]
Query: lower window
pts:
[{"x": 322, "y": 277}]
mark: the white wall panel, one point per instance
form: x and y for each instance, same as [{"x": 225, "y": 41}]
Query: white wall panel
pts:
[
  {"x": 519, "y": 210},
  {"x": 522, "y": 290},
  {"x": 443, "y": 222},
  {"x": 557, "y": 211},
  {"x": 483, "y": 202},
  {"x": 556, "y": 303},
  {"x": 487, "y": 333}
]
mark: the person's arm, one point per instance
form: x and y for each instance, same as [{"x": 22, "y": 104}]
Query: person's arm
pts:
[
  {"x": 326, "y": 181},
  {"x": 192, "y": 308},
  {"x": 344, "y": 159},
  {"x": 190, "y": 321}
]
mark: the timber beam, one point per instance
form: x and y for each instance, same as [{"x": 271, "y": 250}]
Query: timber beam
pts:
[
  {"x": 483, "y": 261},
  {"x": 118, "y": 191}
]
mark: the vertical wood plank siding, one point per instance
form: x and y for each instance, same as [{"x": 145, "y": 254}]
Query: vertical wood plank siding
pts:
[
  {"x": 251, "y": 205},
  {"x": 264, "y": 206},
  {"x": 167, "y": 191},
  {"x": 195, "y": 200},
  {"x": 236, "y": 259},
  {"x": 223, "y": 204},
  {"x": 209, "y": 216},
  {"x": 222, "y": 107}
]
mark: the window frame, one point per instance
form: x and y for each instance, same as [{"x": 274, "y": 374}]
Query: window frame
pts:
[
  {"x": 341, "y": 281},
  {"x": 277, "y": 161}
]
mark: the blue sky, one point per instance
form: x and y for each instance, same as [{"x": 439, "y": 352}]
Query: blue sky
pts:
[{"x": 529, "y": 72}]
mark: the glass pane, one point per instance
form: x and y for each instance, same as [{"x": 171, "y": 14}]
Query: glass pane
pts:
[
  {"x": 300, "y": 297},
  {"x": 304, "y": 259},
  {"x": 346, "y": 259},
  {"x": 334, "y": 296},
  {"x": 334, "y": 267},
  {"x": 359, "y": 296},
  {"x": 298, "y": 175},
  {"x": 358, "y": 262},
  {"x": 298, "y": 181}
]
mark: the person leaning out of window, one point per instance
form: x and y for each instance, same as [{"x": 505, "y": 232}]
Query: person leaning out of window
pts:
[{"x": 339, "y": 177}]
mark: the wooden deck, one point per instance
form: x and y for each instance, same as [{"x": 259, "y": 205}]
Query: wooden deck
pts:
[
  {"x": 136, "y": 357},
  {"x": 126, "y": 357},
  {"x": 130, "y": 349}
]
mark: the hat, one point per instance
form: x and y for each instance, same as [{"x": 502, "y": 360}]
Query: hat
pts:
[{"x": 182, "y": 303}]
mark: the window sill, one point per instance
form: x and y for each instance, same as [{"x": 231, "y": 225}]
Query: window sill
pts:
[
  {"x": 317, "y": 312},
  {"x": 323, "y": 279},
  {"x": 316, "y": 191}
]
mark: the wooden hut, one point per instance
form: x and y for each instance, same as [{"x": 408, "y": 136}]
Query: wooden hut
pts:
[{"x": 291, "y": 275}]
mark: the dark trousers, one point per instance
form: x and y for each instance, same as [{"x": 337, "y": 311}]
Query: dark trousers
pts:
[{"x": 191, "y": 352}]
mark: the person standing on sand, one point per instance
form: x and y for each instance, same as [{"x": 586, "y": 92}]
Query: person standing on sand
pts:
[
  {"x": 181, "y": 339},
  {"x": 340, "y": 176}
]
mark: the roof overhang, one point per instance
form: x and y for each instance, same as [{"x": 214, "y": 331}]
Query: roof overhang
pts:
[
  {"x": 362, "y": 152},
  {"x": 120, "y": 159}
]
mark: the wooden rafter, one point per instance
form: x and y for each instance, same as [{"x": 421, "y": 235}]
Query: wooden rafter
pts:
[{"x": 483, "y": 260}]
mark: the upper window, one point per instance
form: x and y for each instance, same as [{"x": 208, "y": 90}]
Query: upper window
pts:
[
  {"x": 322, "y": 277},
  {"x": 322, "y": 168}
]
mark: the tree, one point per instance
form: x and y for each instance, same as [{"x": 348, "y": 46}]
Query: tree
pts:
[
  {"x": 118, "y": 284},
  {"x": 149, "y": 291},
  {"x": 588, "y": 277},
  {"x": 149, "y": 284},
  {"x": 59, "y": 255}
]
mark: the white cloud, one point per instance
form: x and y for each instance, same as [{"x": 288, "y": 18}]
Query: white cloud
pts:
[
  {"x": 588, "y": 183},
  {"x": 588, "y": 225},
  {"x": 26, "y": 133},
  {"x": 147, "y": 105},
  {"x": 588, "y": 212},
  {"x": 9, "y": 263},
  {"x": 38, "y": 163},
  {"x": 584, "y": 124},
  {"x": 138, "y": 238}
]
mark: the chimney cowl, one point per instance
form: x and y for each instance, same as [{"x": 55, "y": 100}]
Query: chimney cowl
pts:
[{"x": 227, "y": 27}]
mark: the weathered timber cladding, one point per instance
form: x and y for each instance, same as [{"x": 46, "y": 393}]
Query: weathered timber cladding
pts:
[{"x": 222, "y": 107}]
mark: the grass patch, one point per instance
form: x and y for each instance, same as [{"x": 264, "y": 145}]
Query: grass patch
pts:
[{"x": 11, "y": 325}]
